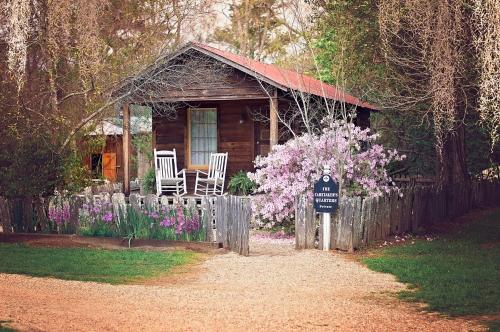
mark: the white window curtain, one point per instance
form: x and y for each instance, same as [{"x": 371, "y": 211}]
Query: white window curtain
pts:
[{"x": 203, "y": 135}]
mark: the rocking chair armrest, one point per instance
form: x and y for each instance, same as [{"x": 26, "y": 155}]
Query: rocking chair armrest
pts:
[
  {"x": 182, "y": 171},
  {"x": 198, "y": 171}
]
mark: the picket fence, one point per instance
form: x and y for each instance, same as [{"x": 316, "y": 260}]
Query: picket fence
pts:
[
  {"x": 360, "y": 222},
  {"x": 225, "y": 219}
]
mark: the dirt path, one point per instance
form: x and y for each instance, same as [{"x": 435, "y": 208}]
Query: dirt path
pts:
[{"x": 276, "y": 288}]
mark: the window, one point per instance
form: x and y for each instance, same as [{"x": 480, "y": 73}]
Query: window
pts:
[
  {"x": 202, "y": 136},
  {"x": 96, "y": 165}
]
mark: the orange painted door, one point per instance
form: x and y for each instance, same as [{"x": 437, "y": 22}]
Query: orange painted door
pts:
[{"x": 109, "y": 166}]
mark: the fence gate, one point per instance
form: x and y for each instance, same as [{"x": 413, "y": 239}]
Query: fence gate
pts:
[{"x": 231, "y": 217}]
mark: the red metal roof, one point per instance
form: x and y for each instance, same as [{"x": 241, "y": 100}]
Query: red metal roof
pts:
[{"x": 287, "y": 78}]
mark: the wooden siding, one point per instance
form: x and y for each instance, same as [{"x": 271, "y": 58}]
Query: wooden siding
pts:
[{"x": 235, "y": 85}]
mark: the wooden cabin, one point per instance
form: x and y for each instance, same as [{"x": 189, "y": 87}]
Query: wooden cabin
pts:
[
  {"x": 216, "y": 110},
  {"x": 106, "y": 161}
]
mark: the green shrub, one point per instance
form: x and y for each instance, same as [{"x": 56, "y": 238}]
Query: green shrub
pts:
[
  {"x": 240, "y": 184},
  {"x": 149, "y": 181}
]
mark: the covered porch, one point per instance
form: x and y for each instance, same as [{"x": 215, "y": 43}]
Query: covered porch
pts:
[{"x": 210, "y": 126}]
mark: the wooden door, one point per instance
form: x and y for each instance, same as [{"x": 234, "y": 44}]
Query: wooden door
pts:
[{"x": 109, "y": 166}]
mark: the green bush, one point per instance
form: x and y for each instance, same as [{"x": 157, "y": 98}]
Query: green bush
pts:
[
  {"x": 240, "y": 184},
  {"x": 32, "y": 167},
  {"x": 29, "y": 167},
  {"x": 149, "y": 181}
]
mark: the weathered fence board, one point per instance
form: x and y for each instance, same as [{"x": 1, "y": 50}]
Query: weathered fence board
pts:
[
  {"x": 359, "y": 222},
  {"x": 75, "y": 205},
  {"x": 119, "y": 207},
  {"x": 207, "y": 216},
  {"x": 151, "y": 202},
  {"x": 305, "y": 223},
  {"x": 5, "y": 218},
  {"x": 232, "y": 222},
  {"x": 135, "y": 202}
]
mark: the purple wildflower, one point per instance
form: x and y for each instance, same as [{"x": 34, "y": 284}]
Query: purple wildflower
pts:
[{"x": 107, "y": 217}]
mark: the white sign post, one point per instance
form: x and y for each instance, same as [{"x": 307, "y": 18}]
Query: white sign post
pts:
[
  {"x": 326, "y": 202},
  {"x": 326, "y": 220},
  {"x": 326, "y": 231}
]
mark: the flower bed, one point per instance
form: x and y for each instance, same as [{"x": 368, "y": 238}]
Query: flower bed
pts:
[{"x": 100, "y": 217}]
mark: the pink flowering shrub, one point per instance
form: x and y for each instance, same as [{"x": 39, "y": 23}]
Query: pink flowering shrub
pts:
[{"x": 292, "y": 168}]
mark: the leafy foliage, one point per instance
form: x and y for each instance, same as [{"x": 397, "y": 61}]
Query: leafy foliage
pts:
[
  {"x": 240, "y": 184},
  {"x": 58, "y": 62},
  {"x": 346, "y": 46},
  {"x": 256, "y": 28},
  {"x": 149, "y": 181},
  {"x": 29, "y": 167},
  {"x": 411, "y": 136}
]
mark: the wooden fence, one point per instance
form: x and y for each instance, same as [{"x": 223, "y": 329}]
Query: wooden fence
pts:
[
  {"x": 360, "y": 222},
  {"x": 232, "y": 222},
  {"x": 226, "y": 219}
]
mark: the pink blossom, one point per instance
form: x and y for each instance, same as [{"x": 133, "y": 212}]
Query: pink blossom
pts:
[{"x": 291, "y": 169}]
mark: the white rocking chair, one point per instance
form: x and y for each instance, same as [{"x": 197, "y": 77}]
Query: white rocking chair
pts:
[
  {"x": 168, "y": 179},
  {"x": 212, "y": 182}
]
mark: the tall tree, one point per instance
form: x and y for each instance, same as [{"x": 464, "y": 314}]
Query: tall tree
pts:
[
  {"x": 396, "y": 75},
  {"x": 487, "y": 42},
  {"x": 256, "y": 28},
  {"x": 59, "y": 58},
  {"x": 427, "y": 46},
  {"x": 346, "y": 45}
]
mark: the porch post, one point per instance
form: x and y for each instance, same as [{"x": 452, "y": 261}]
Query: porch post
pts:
[
  {"x": 273, "y": 120},
  {"x": 126, "y": 149}
]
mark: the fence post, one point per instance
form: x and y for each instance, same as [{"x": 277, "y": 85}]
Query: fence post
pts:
[
  {"x": 305, "y": 226},
  {"x": 220, "y": 219},
  {"x": 135, "y": 202},
  {"x": 207, "y": 218},
  {"x": 151, "y": 202},
  {"x": 245, "y": 218},
  {"x": 75, "y": 204},
  {"x": 357, "y": 224},
  {"x": 5, "y": 217}
]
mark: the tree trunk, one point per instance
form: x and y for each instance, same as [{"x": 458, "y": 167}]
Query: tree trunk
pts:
[{"x": 451, "y": 163}]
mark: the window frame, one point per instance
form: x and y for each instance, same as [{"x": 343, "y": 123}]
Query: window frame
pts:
[{"x": 191, "y": 166}]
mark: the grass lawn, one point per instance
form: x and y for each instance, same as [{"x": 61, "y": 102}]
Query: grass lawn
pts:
[
  {"x": 108, "y": 266},
  {"x": 456, "y": 274},
  {"x": 4, "y": 327}
]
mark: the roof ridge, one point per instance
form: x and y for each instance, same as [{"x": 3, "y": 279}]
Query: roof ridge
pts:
[{"x": 291, "y": 79}]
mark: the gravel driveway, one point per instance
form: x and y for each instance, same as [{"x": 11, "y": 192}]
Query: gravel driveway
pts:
[{"x": 276, "y": 288}]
